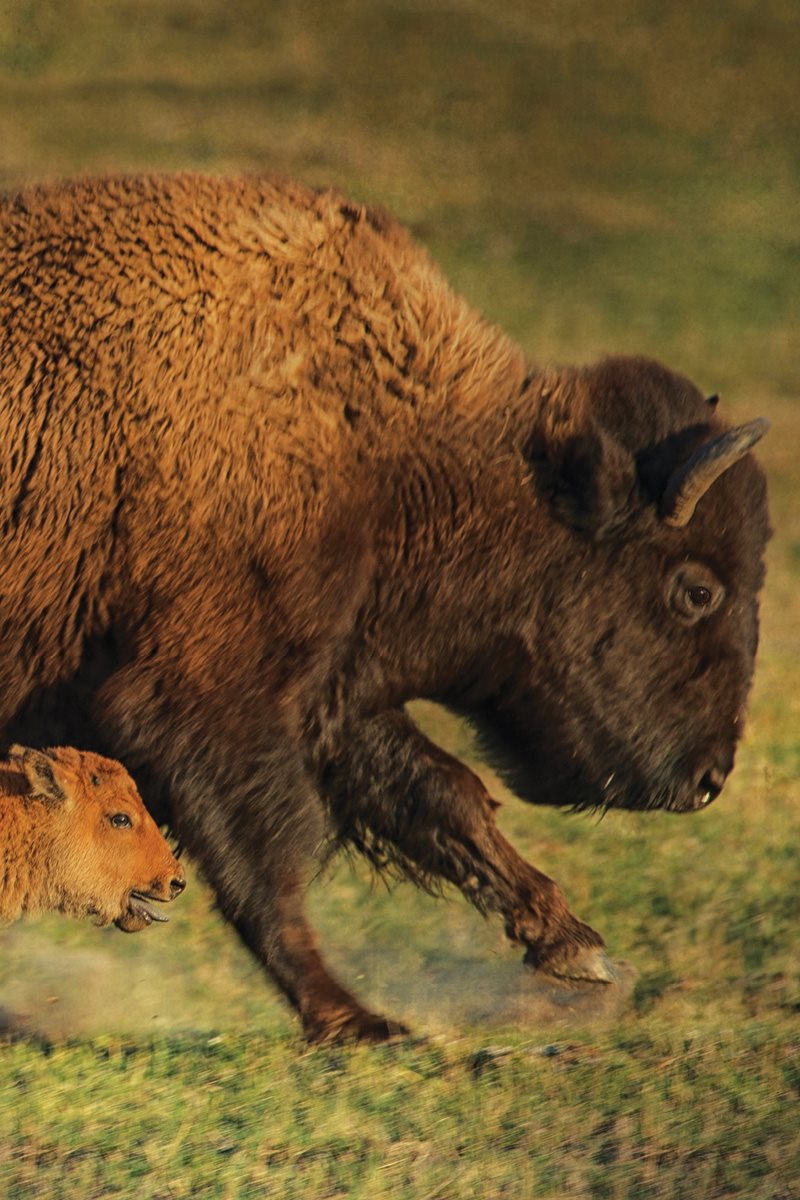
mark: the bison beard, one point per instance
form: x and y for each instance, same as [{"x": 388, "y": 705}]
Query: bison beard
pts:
[{"x": 266, "y": 478}]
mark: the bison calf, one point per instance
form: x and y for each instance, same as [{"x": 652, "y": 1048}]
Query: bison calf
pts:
[{"x": 76, "y": 838}]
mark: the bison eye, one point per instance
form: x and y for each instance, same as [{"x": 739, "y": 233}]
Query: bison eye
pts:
[
  {"x": 121, "y": 821},
  {"x": 699, "y": 596},
  {"x": 95, "y": 780},
  {"x": 693, "y": 592}
]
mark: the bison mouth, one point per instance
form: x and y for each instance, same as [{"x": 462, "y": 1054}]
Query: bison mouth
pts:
[
  {"x": 139, "y": 913},
  {"x": 547, "y": 767}
]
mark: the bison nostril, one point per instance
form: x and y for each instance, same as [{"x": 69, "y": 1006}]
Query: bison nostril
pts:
[
  {"x": 711, "y": 784},
  {"x": 176, "y": 886}
]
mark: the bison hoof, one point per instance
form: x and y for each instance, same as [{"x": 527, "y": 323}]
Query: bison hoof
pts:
[
  {"x": 360, "y": 1026},
  {"x": 590, "y": 963}
]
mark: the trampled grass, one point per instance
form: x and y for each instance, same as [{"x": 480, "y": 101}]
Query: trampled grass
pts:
[{"x": 622, "y": 177}]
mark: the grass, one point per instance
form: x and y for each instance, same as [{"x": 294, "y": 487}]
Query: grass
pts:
[
  {"x": 662, "y": 1114},
  {"x": 621, "y": 177}
]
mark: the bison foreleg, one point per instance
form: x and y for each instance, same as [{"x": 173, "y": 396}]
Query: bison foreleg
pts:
[
  {"x": 264, "y": 900},
  {"x": 289, "y": 952},
  {"x": 263, "y": 897},
  {"x": 247, "y": 811},
  {"x": 415, "y": 810}
]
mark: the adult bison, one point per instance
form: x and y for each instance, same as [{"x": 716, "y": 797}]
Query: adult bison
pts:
[{"x": 265, "y": 478}]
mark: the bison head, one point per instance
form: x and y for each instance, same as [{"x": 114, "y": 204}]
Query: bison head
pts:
[
  {"x": 106, "y": 857},
  {"x": 625, "y": 683}
]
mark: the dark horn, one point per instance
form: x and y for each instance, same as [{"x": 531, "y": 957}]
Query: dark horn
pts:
[{"x": 693, "y": 478}]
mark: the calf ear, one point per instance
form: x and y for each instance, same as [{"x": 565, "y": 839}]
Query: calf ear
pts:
[
  {"x": 588, "y": 477},
  {"x": 41, "y": 772}
]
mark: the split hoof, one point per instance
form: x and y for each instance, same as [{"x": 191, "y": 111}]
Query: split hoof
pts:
[
  {"x": 360, "y": 1026},
  {"x": 550, "y": 1001},
  {"x": 588, "y": 964}
]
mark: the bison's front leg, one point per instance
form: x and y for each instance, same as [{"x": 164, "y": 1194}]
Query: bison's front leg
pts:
[
  {"x": 254, "y": 847},
  {"x": 411, "y": 807},
  {"x": 245, "y": 808},
  {"x": 288, "y": 949}
]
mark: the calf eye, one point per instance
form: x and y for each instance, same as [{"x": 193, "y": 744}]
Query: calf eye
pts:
[
  {"x": 121, "y": 821},
  {"x": 95, "y": 780}
]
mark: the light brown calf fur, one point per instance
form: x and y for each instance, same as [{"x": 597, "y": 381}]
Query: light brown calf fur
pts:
[{"x": 76, "y": 838}]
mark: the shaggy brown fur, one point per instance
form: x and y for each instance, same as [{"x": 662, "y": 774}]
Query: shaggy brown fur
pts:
[
  {"x": 77, "y": 839},
  {"x": 266, "y": 477}
]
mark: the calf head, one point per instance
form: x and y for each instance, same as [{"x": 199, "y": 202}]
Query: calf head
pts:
[
  {"x": 108, "y": 857},
  {"x": 628, "y": 674}
]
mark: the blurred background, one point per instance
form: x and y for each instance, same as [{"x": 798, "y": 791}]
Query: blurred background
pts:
[{"x": 595, "y": 178}]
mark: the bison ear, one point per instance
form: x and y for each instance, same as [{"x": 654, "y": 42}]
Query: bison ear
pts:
[
  {"x": 588, "y": 477},
  {"x": 41, "y": 772}
]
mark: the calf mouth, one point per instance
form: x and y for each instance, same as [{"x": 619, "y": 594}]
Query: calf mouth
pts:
[{"x": 140, "y": 913}]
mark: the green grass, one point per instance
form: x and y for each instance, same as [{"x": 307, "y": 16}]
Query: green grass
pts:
[
  {"x": 594, "y": 178},
  {"x": 645, "y": 1113}
]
